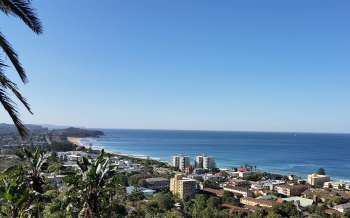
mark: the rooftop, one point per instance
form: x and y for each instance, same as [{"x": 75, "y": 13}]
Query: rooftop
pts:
[
  {"x": 156, "y": 179},
  {"x": 261, "y": 201},
  {"x": 304, "y": 202}
]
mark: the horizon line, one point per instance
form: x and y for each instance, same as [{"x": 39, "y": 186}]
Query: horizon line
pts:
[{"x": 193, "y": 130}]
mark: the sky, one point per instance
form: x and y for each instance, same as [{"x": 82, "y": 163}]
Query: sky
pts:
[{"x": 248, "y": 65}]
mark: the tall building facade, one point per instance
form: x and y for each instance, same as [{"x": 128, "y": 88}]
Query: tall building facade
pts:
[
  {"x": 181, "y": 162},
  {"x": 317, "y": 180},
  {"x": 199, "y": 162},
  {"x": 183, "y": 187},
  {"x": 205, "y": 162}
]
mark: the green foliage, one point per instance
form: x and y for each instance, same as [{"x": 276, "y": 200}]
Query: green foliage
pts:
[
  {"x": 210, "y": 184},
  {"x": 287, "y": 209},
  {"x": 321, "y": 171},
  {"x": 136, "y": 179},
  {"x": 214, "y": 202},
  {"x": 136, "y": 195},
  {"x": 22, "y": 186},
  {"x": 164, "y": 200},
  {"x": 92, "y": 193},
  {"x": 228, "y": 197},
  {"x": 261, "y": 213},
  {"x": 254, "y": 177}
]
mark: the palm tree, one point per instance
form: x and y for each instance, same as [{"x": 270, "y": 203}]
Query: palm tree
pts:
[
  {"x": 35, "y": 161},
  {"x": 22, "y": 187},
  {"x": 23, "y": 10},
  {"x": 88, "y": 189}
]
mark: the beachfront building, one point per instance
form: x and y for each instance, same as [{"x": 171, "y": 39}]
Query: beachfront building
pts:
[
  {"x": 181, "y": 162},
  {"x": 317, "y": 180},
  {"x": 337, "y": 185},
  {"x": 199, "y": 162},
  {"x": 183, "y": 187},
  {"x": 205, "y": 162}
]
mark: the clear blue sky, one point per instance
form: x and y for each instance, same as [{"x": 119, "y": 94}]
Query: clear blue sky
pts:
[{"x": 223, "y": 65}]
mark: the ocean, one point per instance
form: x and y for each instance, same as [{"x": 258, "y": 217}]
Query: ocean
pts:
[{"x": 286, "y": 153}]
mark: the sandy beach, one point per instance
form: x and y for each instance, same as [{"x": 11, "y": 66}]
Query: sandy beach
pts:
[{"x": 75, "y": 140}]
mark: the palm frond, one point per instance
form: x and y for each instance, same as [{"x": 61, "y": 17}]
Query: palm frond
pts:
[
  {"x": 12, "y": 55},
  {"x": 22, "y": 9},
  {"x": 6, "y": 83},
  {"x": 11, "y": 109}
]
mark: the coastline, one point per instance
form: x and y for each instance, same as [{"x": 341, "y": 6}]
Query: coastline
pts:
[
  {"x": 85, "y": 142},
  {"x": 78, "y": 142}
]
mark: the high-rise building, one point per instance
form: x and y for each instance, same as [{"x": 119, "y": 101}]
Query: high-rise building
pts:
[
  {"x": 183, "y": 187},
  {"x": 181, "y": 162},
  {"x": 317, "y": 180},
  {"x": 205, "y": 162},
  {"x": 199, "y": 162},
  {"x": 175, "y": 161}
]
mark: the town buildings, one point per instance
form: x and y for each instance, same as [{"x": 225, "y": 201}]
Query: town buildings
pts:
[
  {"x": 258, "y": 202},
  {"x": 266, "y": 184},
  {"x": 239, "y": 190},
  {"x": 183, "y": 187},
  {"x": 290, "y": 189},
  {"x": 303, "y": 202},
  {"x": 337, "y": 185},
  {"x": 237, "y": 182},
  {"x": 342, "y": 208}
]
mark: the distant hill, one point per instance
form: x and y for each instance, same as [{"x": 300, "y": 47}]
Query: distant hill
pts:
[
  {"x": 55, "y": 126},
  {"x": 8, "y": 129},
  {"x": 76, "y": 132}
]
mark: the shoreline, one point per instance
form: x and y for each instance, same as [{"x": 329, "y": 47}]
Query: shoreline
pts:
[{"x": 77, "y": 141}]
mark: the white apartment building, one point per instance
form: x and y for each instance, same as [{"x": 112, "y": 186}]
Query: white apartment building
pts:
[
  {"x": 317, "y": 180},
  {"x": 205, "y": 162},
  {"x": 337, "y": 185},
  {"x": 181, "y": 162}
]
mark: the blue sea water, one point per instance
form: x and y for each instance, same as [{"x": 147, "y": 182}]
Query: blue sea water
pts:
[{"x": 286, "y": 153}]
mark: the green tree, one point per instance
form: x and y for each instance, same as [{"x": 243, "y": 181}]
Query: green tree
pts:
[
  {"x": 213, "y": 202},
  {"x": 261, "y": 213},
  {"x": 23, "y": 187},
  {"x": 164, "y": 200},
  {"x": 89, "y": 193},
  {"x": 287, "y": 209},
  {"x": 33, "y": 165},
  {"x": 23, "y": 10},
  {"x": 136, "y": 195},
  {"x": 321, "y": 171},
  {"x": 228, "y": 197},
  {"x": 199, "y": 204}
]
